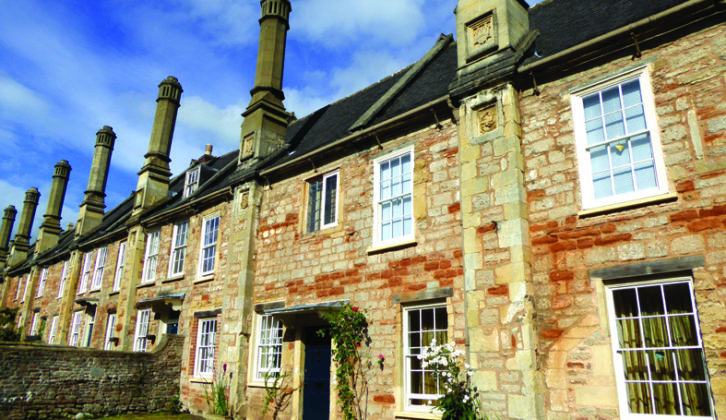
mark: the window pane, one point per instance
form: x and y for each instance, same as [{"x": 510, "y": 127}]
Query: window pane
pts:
[
  {"x": 592, "y": 106},
  {"x": 654, "y": 330},
  {"x": 651, "y": 302},
  {"x": 631, "y": 93},
  {"x": 623, "y": 180},
  {"x": 625, "y": 303},
  {"x": 683, "y": 329},
  {"x": 666, "y": 398},
  {"x": 635, "y": 365},
  {"x": 314, "y": 195},
  {"x": 599, "y": 159},
  {"x": 645, "y": 176},
  {"x": 330, "y": 197},
  {"x": 611, "y": 100},
  {"x": 629, "y": 333},
  {"x": 595, "y": 133},
  {"x": 614, "y": 125},
  {"x": 690, "y": 365},
  {"x": 639, "y": 398},
  {"x": 620, "y": 154},
  {"x": 678, "y": 298},
  {"x": 695, "y": 400},
  {"x": 635, "y": 118},
  {"x": 602, "y": 186}
]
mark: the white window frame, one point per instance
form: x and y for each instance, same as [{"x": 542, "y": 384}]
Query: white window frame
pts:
[
  {"x": 110, "y": 325},
  {"x": 323, "y": 202},
  {"x": 63, "y": 279},
  {"x": 206, "y": 342},
  {"x": 143, "y": 320},
  {"x": 41, "y": 282},
  {"x": 89, "y": 327},
  {"x": 583, "y": 156},
  {"x": 268, "y": 342},
  {"x": 86, "y": 271},
  {"x": 53, "y": 330},
  {"x": 74, "y": 335},
  {"x": 191, "y": 181},
  {"x": 25, "y": 288},
  {"x": 211, "y": 245},
  {"x": 179, "y": 240},
  {"x": 151, "y": 256},
  {"x": 408, "y": 355},
  {"x": 118, "y": 274},
  {"x": 617, "y": 353},
  {"x": 97, "y": 280},
  {"x": 377, "y": 202},
  {"x": 34, "y": 324},
  {"x": 20, "y": 285}
]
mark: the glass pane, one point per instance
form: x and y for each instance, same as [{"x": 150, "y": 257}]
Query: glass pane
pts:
[
  {"x": 623, "y": 181},
  {"x": 635, "y": 118},
  {"x": 625, "y": 303},
  {"x": 601, "y": 185},
  {"x": 662, "y": 365},
  {"x": 427, "y": 337},
  {"x": 631, "y": 93},
  {"x": 614, "y": 125},
  {"x": 592, "y": 106},
  {"x": 678, "y": 298},
  {"x": 386, "y": 231},
  {"x": 629, "y": 333},
  {"x": 396, "y": 209},
  {"x": 442, "y": 321},
  {"x": 416, "y": 383},
  {"x": 639, "y": 398},
  {"x": 611, "y": 100},
  {"x": 640, "y": 146},
  {"x": 414, "y": 320},
  {"x": 385, "y": 171},
  {"x": 666, "y": 399},
  {"x": 595, "y": 133},
  {"x": 645, "y": 175},
  {"x": 651, "y": 302},
  {"x": 599, "y": 159},
  {"x": 620, "y": 153},
  {"x": 690, "y": 365},
  {"x": 683, "y": 330},
  {"x": 655, "y": 332},
  {"x": 430, "y": 384},
  {"x": 695, "y": 400},
  {"x": 427, "y": 319},
  {"x": 415, "y": 363},
  {"x": 635, "y": 365}
]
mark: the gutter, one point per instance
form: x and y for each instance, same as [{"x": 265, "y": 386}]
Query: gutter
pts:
[
  {"x": 360, "y": 134},
  {"x": 625, "y": 30}
]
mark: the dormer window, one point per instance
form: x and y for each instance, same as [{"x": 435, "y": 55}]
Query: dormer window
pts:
[{"x": 191, "y": 182}]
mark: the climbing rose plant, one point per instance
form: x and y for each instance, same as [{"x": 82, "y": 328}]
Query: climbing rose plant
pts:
[
  {"x": 353, "y": 364},
  {"x": 460, "y": 399}
]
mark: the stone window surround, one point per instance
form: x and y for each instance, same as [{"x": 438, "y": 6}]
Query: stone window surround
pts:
[
  {"x": 323, "y": 197},
  {"x": 641, "y": 73}
]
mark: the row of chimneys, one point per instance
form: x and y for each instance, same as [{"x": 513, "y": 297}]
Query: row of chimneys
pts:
[
  {"x": 265, "y": 120},
  {"x": 153, "y": 185}
]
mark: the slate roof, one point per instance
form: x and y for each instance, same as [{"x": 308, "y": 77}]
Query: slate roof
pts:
[{"x": 565, "y": 23}]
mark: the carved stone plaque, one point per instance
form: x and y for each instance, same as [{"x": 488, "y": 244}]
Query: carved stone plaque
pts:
[
  {"x": 487, "y": 119},
  {"x": 245, "y": 200},
  {"x": 481, "y": 31},
  {"x": 248, "y": 145}
]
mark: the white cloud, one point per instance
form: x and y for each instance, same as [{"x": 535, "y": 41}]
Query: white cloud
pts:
[{"x": 17, "y": 99}]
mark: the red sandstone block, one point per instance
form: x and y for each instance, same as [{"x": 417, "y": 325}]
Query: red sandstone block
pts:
[
  {"x": 561, "y": 302},
  {"x": 585, "y": 243},
  {"x": 446, "y": 282},
  {"x": 575, "y": 365},
  {"x": 535, "y": 194},
  {"x": 415, "y": 287},
  {"x": 605, "y": 240},
  {"x": 406, "y": 262},
  {"x": 549, "y": 225},
  {"x": 454, "y": 208},
  {"x": 551, "y": 333},
  {"x": 609, "y": 228},
  {"x": 458, "y": 253},
  {"x": 713, "y": 211},
  {"x": 444, "y": 264},
  {"x": 486, "y": 228},
  {"x": 321, "y": 277},
  {"x": 563, "y": 246},
  {"x": 418, "y": 259},
  {"x": 502, "y": 290},
  {"x": 721, "y": 329},
  {"x": 685, "y": 186},
  {"x": 684, "y": 215},
  {"x": 395, "y": 281},
  {"x": 443, "y": 274},
  {"x": 571, "y": 220},
  {"x": 579, "y": 233},
  {"x": 700, "y": 225},
  {"x": 384, "y": 399},
  {"x": 544, "y": 240},
  {"x": 431, "y": 266},
  {"x": 559, "y": 275}
]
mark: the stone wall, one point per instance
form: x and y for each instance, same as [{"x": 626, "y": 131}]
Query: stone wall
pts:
[{"x": 53, "y": 382}]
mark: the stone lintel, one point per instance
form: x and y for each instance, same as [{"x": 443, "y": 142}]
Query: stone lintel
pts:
[
  {"x": 649, "y": 268},
  {"x": 429, "y": 294}
]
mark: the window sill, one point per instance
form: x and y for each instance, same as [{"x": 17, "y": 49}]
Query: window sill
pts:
[
  {"x": 626, "y": 205},
  {"x": 115, "y": 292},
  {"x": 208, "y": 277},
  {"x": 375, "y": 249},
  {"x": 173, "y": 279},
  {"x": 149, "y": 284},
  {"x": 417, "y": 415},
  {"x": 204, "y": 381},
  {"x": 94, "y": 291}
]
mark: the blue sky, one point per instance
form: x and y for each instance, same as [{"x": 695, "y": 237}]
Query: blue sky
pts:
[{"x": 68, "y": 68}]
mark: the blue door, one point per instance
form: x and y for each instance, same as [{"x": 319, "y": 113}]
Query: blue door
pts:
[{"x": 316, "y": 382}]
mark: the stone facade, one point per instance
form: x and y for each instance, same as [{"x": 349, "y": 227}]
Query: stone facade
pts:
[{"x": 503, "y": 237}]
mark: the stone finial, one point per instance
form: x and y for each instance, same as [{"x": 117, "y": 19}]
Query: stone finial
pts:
[
  {"x": 50, "y": 229},
  {"x": 94, "y": 204}
]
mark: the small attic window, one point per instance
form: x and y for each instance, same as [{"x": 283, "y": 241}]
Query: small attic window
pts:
[{"x": 191, "y": 182}]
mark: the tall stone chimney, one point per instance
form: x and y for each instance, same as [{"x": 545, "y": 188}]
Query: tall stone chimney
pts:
[
  {"x": 93, "y": 205},
  {"x": 265, "y": 119},
  {"x": 50, "y": 229},
  {"x": 5, "y": 228},
  {"x": 22, "y": 239},
  {"x": 153, "y": 183}
]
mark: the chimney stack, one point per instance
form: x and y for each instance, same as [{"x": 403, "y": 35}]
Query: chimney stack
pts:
[
  {"x": 22, "y": 239},
  {"x": 265, "y": 120},
  {"x": 153, "y": 183},
  {"x": 5, "y": 229},
  {"x": 50, "y": 229},
  {"x": 93, "y": 205}
]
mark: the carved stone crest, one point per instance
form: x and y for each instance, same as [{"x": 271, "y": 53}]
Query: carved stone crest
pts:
[
  {"x": 487, "y": 119},
  {"x": 248, "y": 145},
  {"x": 481, "y": 31},
  {"x": 244, "y": 202}
]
